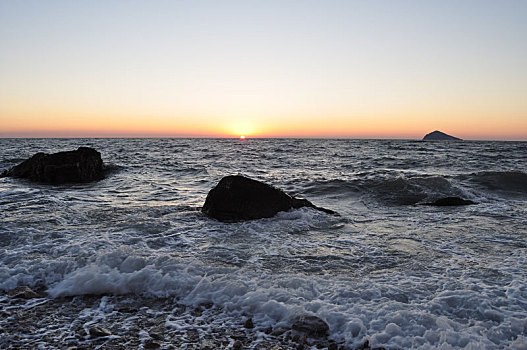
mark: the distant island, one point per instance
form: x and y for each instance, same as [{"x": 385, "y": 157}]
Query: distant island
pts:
[{"x": 440, "y": 136}]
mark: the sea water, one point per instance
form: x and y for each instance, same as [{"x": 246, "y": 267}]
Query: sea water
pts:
[{"x": 388, "y": 270}]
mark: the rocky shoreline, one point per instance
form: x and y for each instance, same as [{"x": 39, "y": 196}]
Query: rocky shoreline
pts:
[{"x": 30, "y": 321}]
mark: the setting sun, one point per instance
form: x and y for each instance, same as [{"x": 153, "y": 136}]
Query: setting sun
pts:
[{"x": 242, "y": 137}]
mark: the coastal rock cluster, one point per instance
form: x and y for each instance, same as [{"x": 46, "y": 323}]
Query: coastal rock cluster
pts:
[
  {"x": 235, "y": 198},
  {"x": 131, "y": 325}
]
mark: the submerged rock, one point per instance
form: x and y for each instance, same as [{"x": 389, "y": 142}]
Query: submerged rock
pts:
[
  {"x": 96, "y": 331},
  {"x": 152, "y": 344},
  {"x": 450, "y": 201},
  {"x": 83, "y": 165},
  {"x": 310, "y": 325},
  {"x": 23, "y": 292},
  {"x": 238, "y": 198},
  {"x": 366, "y": 346},
  {"x": 249, "y": 323},
  {"x": 439, "y": 136}
]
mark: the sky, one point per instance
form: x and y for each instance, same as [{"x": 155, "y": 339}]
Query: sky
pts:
[{"x": 357, "y": 69}]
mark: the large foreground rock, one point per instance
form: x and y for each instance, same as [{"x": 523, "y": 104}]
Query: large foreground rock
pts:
[
  {"x": 83, "y": 165},
  {"x": 238, "y": 198},
  {"x": 439, "y": 136}
]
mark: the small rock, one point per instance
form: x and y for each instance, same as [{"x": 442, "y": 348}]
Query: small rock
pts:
[
  {"x": 366, "y": 346},
  {"x": 5, "y": 313},
  {"x": 249, "y": 323},
  {"x": 23, "y": 292},
  {"x": 312, "y": 326},
  {"x": 450, "y": 201},
  {"x": 128, "y": 310},
  {"x": 237, "y": 345},
  {"x": 208, "y": 345},
  {"x": 206, "y": 305},
  {"x": 238, "y": 334},
  {"x": 333, "y": 346},
  {"x": 152, "y": 344},
  {"x": 322, "y": 344},
  {"x": 156, "y": 336},
  {"x": 278, "y": 331},
  {"x": 99, "y": 332},
  {"x": 196, "y": 312}
]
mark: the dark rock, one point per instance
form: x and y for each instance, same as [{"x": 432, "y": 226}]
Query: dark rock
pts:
[
  {"x": 238, "y": 198},
  {"x": 152, "y": 344},
  {"x": 208, "y": 345},
  {"x": 23, "y": 292},
  {"x": 206, "y": 305},
  {"x": 366, "y": 346},
  {"x": 450, "y": 201},
  {"x": 249, "y": 323},
  {"x": 128, "y": 310},
  {"x": 311, "y": 326},
  {"x": 278, "y": 331},
  {"x": 333, "y": 346},
  {"x": 99, "y": 332},
  {"x": 156, "y": 336},
  {"x": 83, "y": 165},
  {"x": 439, "y": 136},
  {"x": 237, "y": 345},
  {"x": 268, "y": 330}
]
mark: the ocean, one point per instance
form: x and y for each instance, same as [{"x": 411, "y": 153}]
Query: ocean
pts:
[{"x": 133, "y": 253}]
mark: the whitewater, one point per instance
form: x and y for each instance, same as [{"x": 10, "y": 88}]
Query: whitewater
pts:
[{"x": 134, "y": 254}]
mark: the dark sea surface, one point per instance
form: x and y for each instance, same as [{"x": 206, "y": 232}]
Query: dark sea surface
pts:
[{"x": 387, "y": 270}]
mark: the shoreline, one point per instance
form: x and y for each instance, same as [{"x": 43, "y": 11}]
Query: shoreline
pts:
[{"x": 135, "y": 322}]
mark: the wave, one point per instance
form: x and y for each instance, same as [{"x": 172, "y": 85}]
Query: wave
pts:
[
  {"x": 381, "y": 309},
  {"x": 388, "y": 189},
  {"x": 413, "y": 190},
  {"x": 330, "y": 187},
  {"x": 508, "y": 181}
]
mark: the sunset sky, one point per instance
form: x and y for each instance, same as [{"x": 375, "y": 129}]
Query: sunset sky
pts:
[{"x": 360, "y": 69}]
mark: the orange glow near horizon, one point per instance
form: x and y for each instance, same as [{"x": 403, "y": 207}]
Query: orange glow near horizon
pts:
[
  {"x": 365, "y": 127},
  {"x": 344, "y": 121},
  {"x": 156, "y": 118}
]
